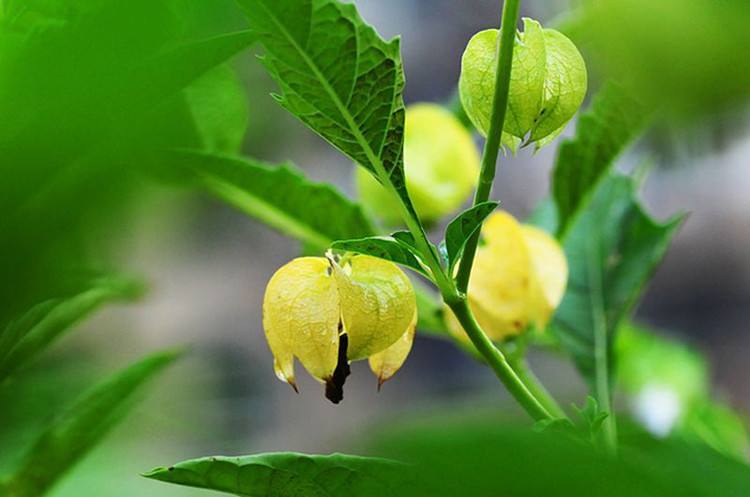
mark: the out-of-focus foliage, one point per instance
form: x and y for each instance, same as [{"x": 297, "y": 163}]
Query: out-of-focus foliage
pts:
[
  {"x": 668, "y": 389},
  {"x": 84, "y": 88},
  {"x": 612, "y": 248},
  {"x": 441, "y": 163},
  {"x": 87, "y": 89},
  {"x": 280, "y": 196},
  {"x": 602, "y": 132},
  {"x": 455, "y": 455},
  {"x": 75, "y": 431},
  {"x": 24, "y": 338},
  {"x": 689, "y": 57}
]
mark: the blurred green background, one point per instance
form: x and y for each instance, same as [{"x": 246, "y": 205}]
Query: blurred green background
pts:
[{"x": 86, "y": 92}]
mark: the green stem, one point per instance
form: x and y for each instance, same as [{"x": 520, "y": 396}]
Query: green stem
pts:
[
  {"x": 497, "y": 361},
  {"x": 601, "y": 356},
  {"x": 455, "y": 297},
  {"x": 527, "y": 376},
  {"x": 506, "y": 40}
]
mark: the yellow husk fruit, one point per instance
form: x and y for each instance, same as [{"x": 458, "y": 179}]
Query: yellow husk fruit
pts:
[
  {"x": 327, "y": 313},
  {"x": 441, "y": 164},
  {"x": 518, "y": 279}
]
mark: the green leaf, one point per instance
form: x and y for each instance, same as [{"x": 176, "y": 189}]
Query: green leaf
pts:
[
  {"x": 612, "y": 248},
  {"x": 339, "y": 77},
  {"x": 462, "y": 228},
  {"x": 24, "y": 338},
  {"x": 288, "y": 474},
  {"x": 430, "y": 312},
  {"x": 592, "y": 415},
  {"x": 390, "y": 249},
  {"x": 604, "y": 130},
  {"x": 474, "y": 453},
  {"x": 718, "y": 426},
  {"x": 218, "y": 104},
  {"x": 77, "y": 430},
  {"x": 280, "y": 196}
]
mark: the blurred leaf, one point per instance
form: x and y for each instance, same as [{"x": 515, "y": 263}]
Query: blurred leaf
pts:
[
  {"x": 669, "y": 388},
  {"x": 76, "y": 431},
  {"x": 89, "y": 88},
  {"x": 612, "y": 248},
  {"x": 33, "y": 332},
  {"x": 289, "y": 474},
  {"x": 219, "y": 107},
  {"x": 717, "y": 426},
  {"x": 689, "y": 57},
  {"x": 592, "y": 415},
  {"x": 462, "y": 228},
  {"x": 386, "y": 248},
  {"x": 430, "y": 312},
  {"x": 280, "y": 196},
  {"x": 603, "y": 131},
  {"x": 645, "y": 359},
  {"x": 339, "y": 77},
  {"x": 476, "y": 455}
]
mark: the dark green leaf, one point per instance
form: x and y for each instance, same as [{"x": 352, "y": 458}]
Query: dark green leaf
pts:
[
  {"x": 290, "y": 475},
  {"x": 280, "y": 196},
  {"x": 386, "y": 248},
  {"x": 33, "y": 332},
  {"x": 462, "y": 228},
  {"x": 339, "y": 77},
  {"x": 612, "y": 248},
  {"x": 613, "y": 120},
  {"x": 76, "y": 431}
]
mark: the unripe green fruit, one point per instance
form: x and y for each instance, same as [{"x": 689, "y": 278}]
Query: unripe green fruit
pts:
[
  {"x": 441, "y": 163},
  {"x": 547, "y": 85}
]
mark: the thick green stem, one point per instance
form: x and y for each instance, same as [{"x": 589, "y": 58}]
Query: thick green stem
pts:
[
  {"x": 497, "y": 361},
  {"x": 506, "y": 40}
]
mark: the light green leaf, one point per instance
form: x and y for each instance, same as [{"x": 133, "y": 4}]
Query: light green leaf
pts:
[
  {"x": 218, "y": 104},
  {"x": 651, "y": 364},
  {"x": 339, "y": 77},
  {"x": 280, "y": 196},
  {"x": 462, "y": 228},
  {"x": 718, "y": 426},
  {"x": 604, "y": 130},
  {"x": 647, "y": 360},
  {"x": 612, "y": 248},
  {"x": 390, "y": 249},
  {"x": 30, "y": 334},
  {"x": 76, "y": 431},
  {"x": 289, "y": 474}
]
